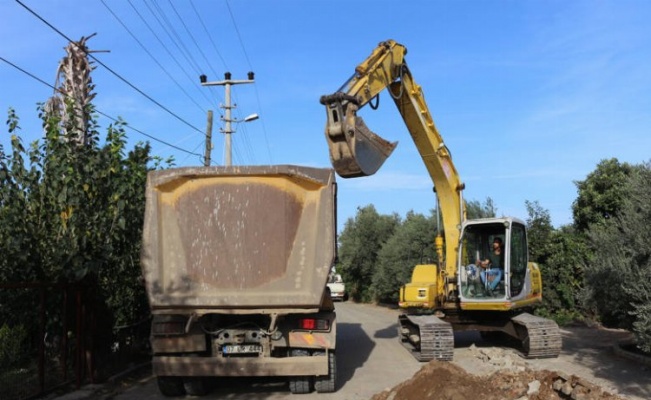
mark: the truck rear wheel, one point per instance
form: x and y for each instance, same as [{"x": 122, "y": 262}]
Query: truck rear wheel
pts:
[
  {"x": 300, "y": 384},
  {"x": 327, "y": 383},
  {"x": 171, "y": 386}
]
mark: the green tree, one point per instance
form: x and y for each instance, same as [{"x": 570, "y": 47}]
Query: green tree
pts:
[
  {"x": 412, "y": 243},
  {"x": 601, "y": 194},
  {"x": 359, "y": 245},
  {"x": 562, "y": 275},
  {"x": 619, "y": 274},
  {"x": 560, "y": 254},
  {"x": 476, "y": 209},
  {"x": 71, "y": 213},
  {"x": 539, "y": 230}
]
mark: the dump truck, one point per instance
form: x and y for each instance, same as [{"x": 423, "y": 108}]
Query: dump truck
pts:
[{"x": 236, "y": 262}]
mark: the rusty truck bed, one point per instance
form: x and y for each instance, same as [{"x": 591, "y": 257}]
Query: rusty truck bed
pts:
[{"x": 238, "y": 237}]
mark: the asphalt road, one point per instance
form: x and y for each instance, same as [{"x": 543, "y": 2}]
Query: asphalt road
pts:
[{"x": 370, "y": 359}]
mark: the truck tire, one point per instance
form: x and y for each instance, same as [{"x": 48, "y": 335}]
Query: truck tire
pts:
[
  {"x": 171, "y": 386},
  {"x": 196, "y": 386},
  {"x": 300, "y": 384},
  {"x": 327, "y": 383}
]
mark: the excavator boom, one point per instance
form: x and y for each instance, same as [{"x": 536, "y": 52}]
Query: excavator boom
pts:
[{"x": 356, "y": 151}]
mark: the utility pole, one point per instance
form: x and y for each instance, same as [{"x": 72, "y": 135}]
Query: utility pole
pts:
[
  {"x": 206, "y": 158},
  {"x": 227, "y": 130}
]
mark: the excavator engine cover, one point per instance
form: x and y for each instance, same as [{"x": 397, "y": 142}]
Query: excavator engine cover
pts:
[{"x": 354, "y": 149}]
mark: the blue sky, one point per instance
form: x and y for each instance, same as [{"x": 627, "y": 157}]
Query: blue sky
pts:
[{"x": 528, "y": 95}]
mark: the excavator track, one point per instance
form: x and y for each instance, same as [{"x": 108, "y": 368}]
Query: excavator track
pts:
[
  {"x": 435, "y": 337},
  {"x": 542, "y": 338}
]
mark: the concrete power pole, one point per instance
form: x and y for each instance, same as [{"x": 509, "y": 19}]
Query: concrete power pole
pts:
[
  {"x": 227, "y": 130},
  {"x": 206, "y": 159}
]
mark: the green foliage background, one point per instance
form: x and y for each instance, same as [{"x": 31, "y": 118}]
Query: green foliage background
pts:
[
  {"x": 618, "y": 273},
  {"x": 71, "y": 213},
  {"x": 597, "y": 268},
  {"x": 360, "y": 243},
  {"x": 411, "y": 244}
]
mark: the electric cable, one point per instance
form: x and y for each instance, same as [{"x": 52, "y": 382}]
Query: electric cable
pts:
[
  {"x": 160, "y": 41},
  {"x": 208, "y": 35},
  {"x": 257, "y": 96},
  {"x": 192, "y": 37},
  {"x": 152, "y": 56},
  {"x": 98, "y": 111},
  {"x": 110, "y": 70}
]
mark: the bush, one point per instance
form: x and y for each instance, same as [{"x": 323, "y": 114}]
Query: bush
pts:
[
  {"x": 12, "y": 345},
  {"x": 620, "y": 272}
]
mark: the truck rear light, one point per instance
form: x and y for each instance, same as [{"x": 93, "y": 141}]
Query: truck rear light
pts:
[{"x": 314, "y": 324}]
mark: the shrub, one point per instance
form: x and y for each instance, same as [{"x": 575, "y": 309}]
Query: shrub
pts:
[{"x": 12, "y": 344}]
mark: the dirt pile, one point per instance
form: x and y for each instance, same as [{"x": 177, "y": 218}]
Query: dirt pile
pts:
[
  {"x": 446, "y": 381},
  {"x": 507, "y": 377}
]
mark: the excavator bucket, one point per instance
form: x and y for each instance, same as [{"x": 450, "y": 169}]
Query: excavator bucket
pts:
[{"x": 354, "y": 149}]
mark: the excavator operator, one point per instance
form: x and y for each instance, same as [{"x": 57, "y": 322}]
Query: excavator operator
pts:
[{"x": 493, "y": 266}]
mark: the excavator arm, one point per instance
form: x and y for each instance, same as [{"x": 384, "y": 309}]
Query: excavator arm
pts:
[{"x": 356, "y": 151}]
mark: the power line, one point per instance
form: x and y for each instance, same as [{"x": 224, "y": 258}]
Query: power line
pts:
[
  {"x": 192, "y": 37},
  {"x": 109, "y": 69},
  {"x": 98, "y": 111},
  {"x": 151, "y": 137},
  {"x": 257, "y": 96},
  {"x": 208, "y": 35},
  {"x": 152, "y": 56},
  {"x": 239, "y": 37},
  {"x": 153, "y": 32},
  {"x": 174, "y": 36}
]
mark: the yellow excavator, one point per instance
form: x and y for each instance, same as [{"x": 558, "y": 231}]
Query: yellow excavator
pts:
[{"x": 464, "y": 290}]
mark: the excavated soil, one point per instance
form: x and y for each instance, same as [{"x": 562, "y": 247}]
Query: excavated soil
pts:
[
  {"x": 493, "y": 373},
  {"x": 447, "y": 381}
]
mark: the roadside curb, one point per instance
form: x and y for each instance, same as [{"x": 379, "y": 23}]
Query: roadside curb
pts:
[{"x": 621, "y": 352}]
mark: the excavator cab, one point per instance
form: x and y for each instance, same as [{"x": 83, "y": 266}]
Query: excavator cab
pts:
[
  {"x": 476, "y": 284},
  {"x": 354, "y": 149}
]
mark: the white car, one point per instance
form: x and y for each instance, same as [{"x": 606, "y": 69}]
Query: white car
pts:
[{"x": 337, "y": 288}]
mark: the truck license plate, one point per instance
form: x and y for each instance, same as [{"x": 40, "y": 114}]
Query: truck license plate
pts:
[{"x": 241, "y": 348}]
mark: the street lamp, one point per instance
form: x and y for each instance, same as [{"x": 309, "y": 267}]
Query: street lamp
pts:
[
  {"x": 227, "y": 82},
  {"x": 227, "y": 134},
  {"x": 251, "y": 117}
]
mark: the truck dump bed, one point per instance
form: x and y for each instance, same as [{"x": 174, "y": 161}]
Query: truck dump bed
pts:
[{"x": 238, "y": 237}]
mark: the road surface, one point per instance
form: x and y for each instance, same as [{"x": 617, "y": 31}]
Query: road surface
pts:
[{"x": 370, "y": 359}]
